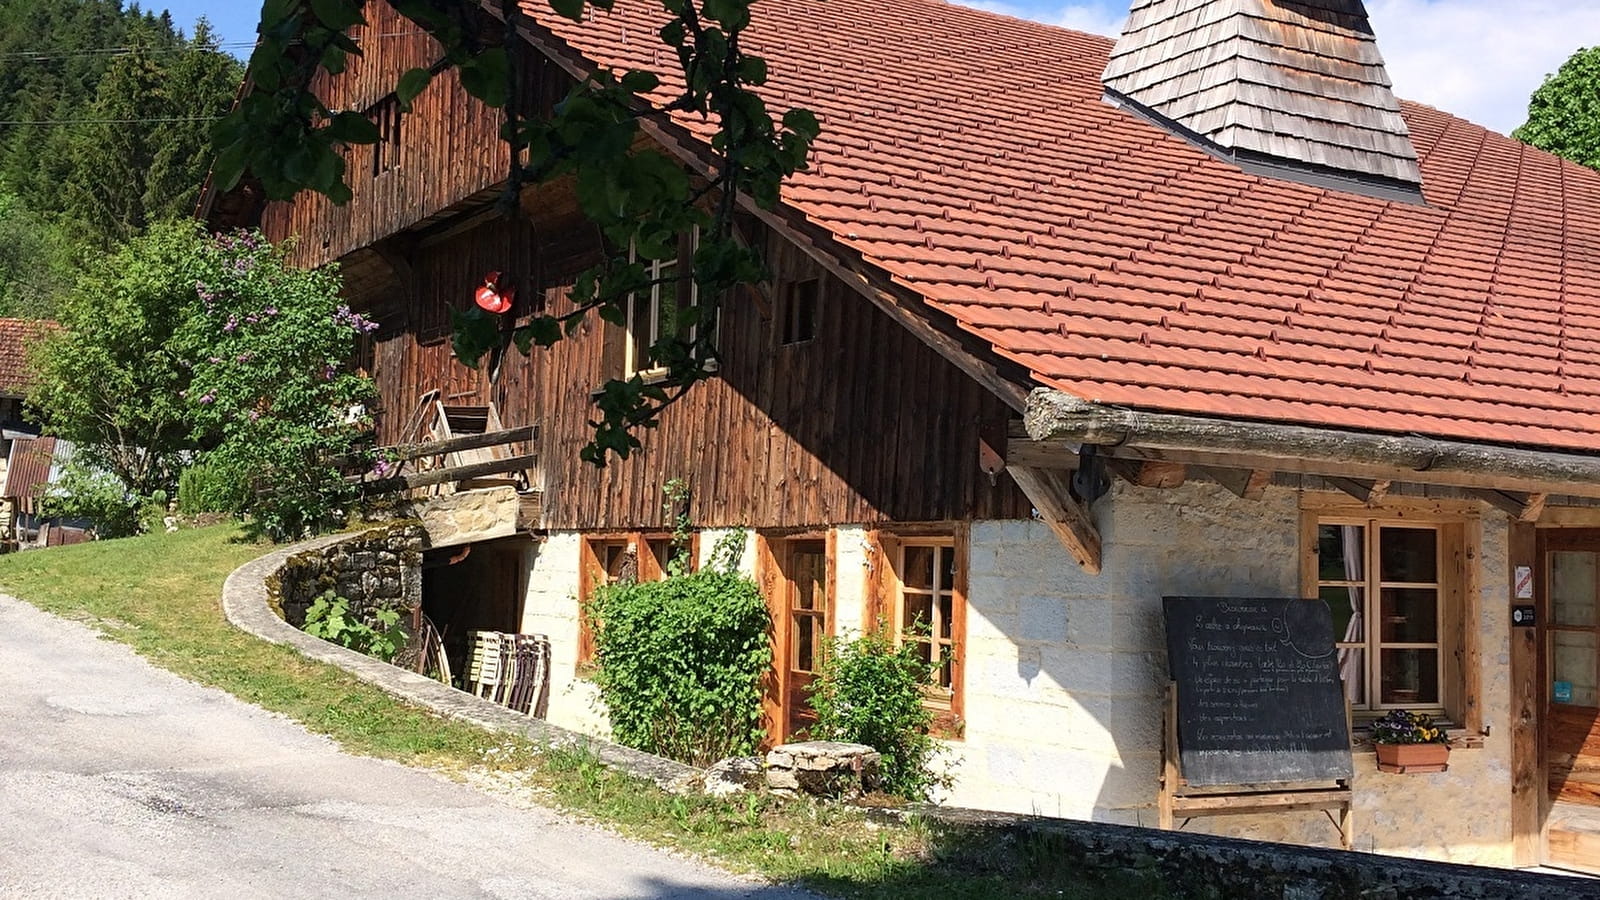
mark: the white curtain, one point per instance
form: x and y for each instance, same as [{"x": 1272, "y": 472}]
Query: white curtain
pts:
[{"x": 1352, "y": 666}]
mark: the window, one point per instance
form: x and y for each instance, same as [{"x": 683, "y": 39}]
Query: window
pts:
[
  {"x": 1384, "y": 584},
  {"x": 921, "y": 598},
  {"x": 629, "y": 557},
  {"x": 386, "y": 152},
  {"x": 607, "y": 560},
  {"x": 797, "y": 311},
  {"x": 654, "y": 312}
]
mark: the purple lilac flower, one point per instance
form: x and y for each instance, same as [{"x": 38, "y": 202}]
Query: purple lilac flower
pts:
[
  {"x": 208, "y": 398},
  {"x": 233, "y": 323},
  {"x": 270, "y": 311},
  {"x": 214, "y": 360}
]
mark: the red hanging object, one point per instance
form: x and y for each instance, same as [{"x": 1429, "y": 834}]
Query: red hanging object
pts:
[{"x": 494, "y": 295}]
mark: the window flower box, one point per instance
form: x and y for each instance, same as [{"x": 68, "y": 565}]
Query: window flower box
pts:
[{"x": 1409, "y": 743}]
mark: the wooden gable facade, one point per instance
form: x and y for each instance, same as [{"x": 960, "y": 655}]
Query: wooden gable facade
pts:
[{"x": 861, "y": 422}]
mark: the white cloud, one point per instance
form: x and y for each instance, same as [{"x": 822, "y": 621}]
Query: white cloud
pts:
[{"x": 1479, "y": 59}]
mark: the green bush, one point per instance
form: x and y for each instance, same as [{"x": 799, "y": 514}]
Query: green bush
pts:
[
  {"x": 329, "y": 618},
  {"x": 100, "y": 498},
  {"x": 870, "y": 692},
  {"x": 203, "y": 489},
  {"x": 680, "y": 662}
]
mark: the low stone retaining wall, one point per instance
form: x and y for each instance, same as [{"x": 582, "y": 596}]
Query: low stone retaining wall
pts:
[
  {"x": 247, "y": 603},
  {"x": 380, "y": 568},
  {"x": 1203, "y": 866}
]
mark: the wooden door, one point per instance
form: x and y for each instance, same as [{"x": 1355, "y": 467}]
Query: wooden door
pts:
[
  {"x": 1570, "y": 650},
  {"x": 799, "y": 583}
]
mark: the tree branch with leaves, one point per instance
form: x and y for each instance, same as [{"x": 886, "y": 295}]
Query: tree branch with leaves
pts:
[{"x": 641, "y": 201}]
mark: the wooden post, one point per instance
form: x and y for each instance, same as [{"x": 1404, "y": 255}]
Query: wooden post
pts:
[
  {"x": 1169, "y": 758},
  {"x": 1527, "y": 698}
]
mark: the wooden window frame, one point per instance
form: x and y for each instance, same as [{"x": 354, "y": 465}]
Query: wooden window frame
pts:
[
  {"x": 592, "y": 573},
  {"x": 885, "y": 602},
  {"x": 631, "y": 344},
  {"x": 787, "y": 314},
  {"x": 772, "y": 565},
  {"x": 1459, "y": 527}
]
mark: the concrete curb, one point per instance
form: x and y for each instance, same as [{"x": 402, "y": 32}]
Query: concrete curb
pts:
[{"x": 246, "y": 602}]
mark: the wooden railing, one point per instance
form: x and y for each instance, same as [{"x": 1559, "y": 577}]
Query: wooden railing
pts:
[{"x": 437, "y": 451}]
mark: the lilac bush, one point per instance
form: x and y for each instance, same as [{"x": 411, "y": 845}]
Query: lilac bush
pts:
[{"x": 269, "y": 351}]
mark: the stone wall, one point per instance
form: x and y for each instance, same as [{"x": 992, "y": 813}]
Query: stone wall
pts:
[
  {"x": 1066, "y": 675},
  {"x": 380, "y": 569},
  {"x": 1066, "y": 672}
]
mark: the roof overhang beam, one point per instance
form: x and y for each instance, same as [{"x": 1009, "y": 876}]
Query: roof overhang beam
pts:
[{"x": 1056, "y": 418}]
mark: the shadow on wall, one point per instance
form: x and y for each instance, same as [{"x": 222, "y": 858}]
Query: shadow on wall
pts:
[{"x": 1067, "y": 672}]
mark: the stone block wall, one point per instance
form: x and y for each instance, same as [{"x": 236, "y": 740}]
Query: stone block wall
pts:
[
  {"x": 1066, "y": 672},
  {"x": 381, "y": 569}
]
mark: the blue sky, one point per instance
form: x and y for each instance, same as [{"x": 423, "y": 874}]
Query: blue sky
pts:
[{"x": 1476, "y": 58}]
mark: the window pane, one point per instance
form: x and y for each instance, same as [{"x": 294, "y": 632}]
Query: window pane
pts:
[
  {"x": 1573, "y": 664},
  {"x": 918, "y": 568},
  {"x": 805, "y": 643},
  {"x": 1410, "y": 616},
  {"x": 1341, "y": 551},
  {"x": 947, "y": 568},
  {"x": 918, "y": 614},
  {"x": 1572, "y": 588},
  {"x": 1409, "y": 677},
  {"x": 1408, "y": 554},
  {"x": 1348, "y": 605},
  {"x": 946, "y": 615}
]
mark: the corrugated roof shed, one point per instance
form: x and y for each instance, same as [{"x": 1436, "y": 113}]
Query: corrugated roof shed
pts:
[{"x": 970, "y": 156}]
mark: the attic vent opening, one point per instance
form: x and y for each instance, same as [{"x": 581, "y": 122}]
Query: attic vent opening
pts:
[{"x": 1290, "y": 89}]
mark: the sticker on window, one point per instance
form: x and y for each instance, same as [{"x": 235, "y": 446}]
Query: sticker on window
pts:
[{"x": 1561, "y": 692}]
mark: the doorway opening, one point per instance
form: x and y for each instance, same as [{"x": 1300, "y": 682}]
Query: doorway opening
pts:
[
  {"x": 474, "y": 588},
  {"x": 799, "y": 582}
]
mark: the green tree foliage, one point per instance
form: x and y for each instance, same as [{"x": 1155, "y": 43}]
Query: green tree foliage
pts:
[
  {"x": 105, "y": 114},
  {"x": 121, "y": 178},
  {"x": 870, "y": 692},
  {"x": 183, "y": 348},
  {"x": 268, "y": 349},
  {"x": 290, "y": 140},
  {"x": 37, "y": 261},
  {"x": 1564, "y": 111},
  {"x": 113, "y": 380},
  {"x": 680, "y": 661}
]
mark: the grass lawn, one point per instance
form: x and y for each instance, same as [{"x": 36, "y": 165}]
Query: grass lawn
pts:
[{"x": 160, "y": 594}]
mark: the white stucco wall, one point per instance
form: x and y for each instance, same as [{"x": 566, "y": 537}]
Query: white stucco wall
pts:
[{"x": 1066, "y": 672}]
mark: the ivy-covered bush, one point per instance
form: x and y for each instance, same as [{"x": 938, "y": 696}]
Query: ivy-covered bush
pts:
[
  {"x": 680, "y": 662},
  {"x": 269, "y": 350},
  {"x": 870, "y": 692}
]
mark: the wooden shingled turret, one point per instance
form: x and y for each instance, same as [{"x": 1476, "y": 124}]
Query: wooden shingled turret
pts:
[{"x": 1287, "y": 88}]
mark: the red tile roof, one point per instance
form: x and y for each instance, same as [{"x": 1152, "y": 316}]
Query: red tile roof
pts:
[
  {"x": 970, "y": 157},
  {"x": 15, "y": 337}
]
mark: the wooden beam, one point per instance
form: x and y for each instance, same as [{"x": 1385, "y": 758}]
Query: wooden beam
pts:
[
  {"x": 1022, "y": 450},
  {"x": 1520, "y": 507},
  {"x": 1150, "y": 474},
  {"x": 1369, "y": 492},
  {"x": 1055, "y": 416},
  {"x": 1247, "y": 484},
  {"x": 1049, "y": 492},
  {"x": 403, "y": 452},
  {"x": 445, "y": 476}
]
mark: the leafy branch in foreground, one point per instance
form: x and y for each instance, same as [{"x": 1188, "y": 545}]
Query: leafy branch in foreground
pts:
[{"x": 642, "y": 201}]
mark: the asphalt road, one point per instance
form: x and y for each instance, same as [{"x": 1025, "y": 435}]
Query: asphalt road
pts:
[{"x": 118, "y": 779}]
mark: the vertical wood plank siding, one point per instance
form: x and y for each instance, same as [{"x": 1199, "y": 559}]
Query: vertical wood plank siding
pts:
[
  {"x": 449, "y": 144},
  {"x": 862, "y": 424}
]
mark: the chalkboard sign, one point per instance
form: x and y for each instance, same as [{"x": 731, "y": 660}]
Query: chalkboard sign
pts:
[{"x": 1259, "y": 697}]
